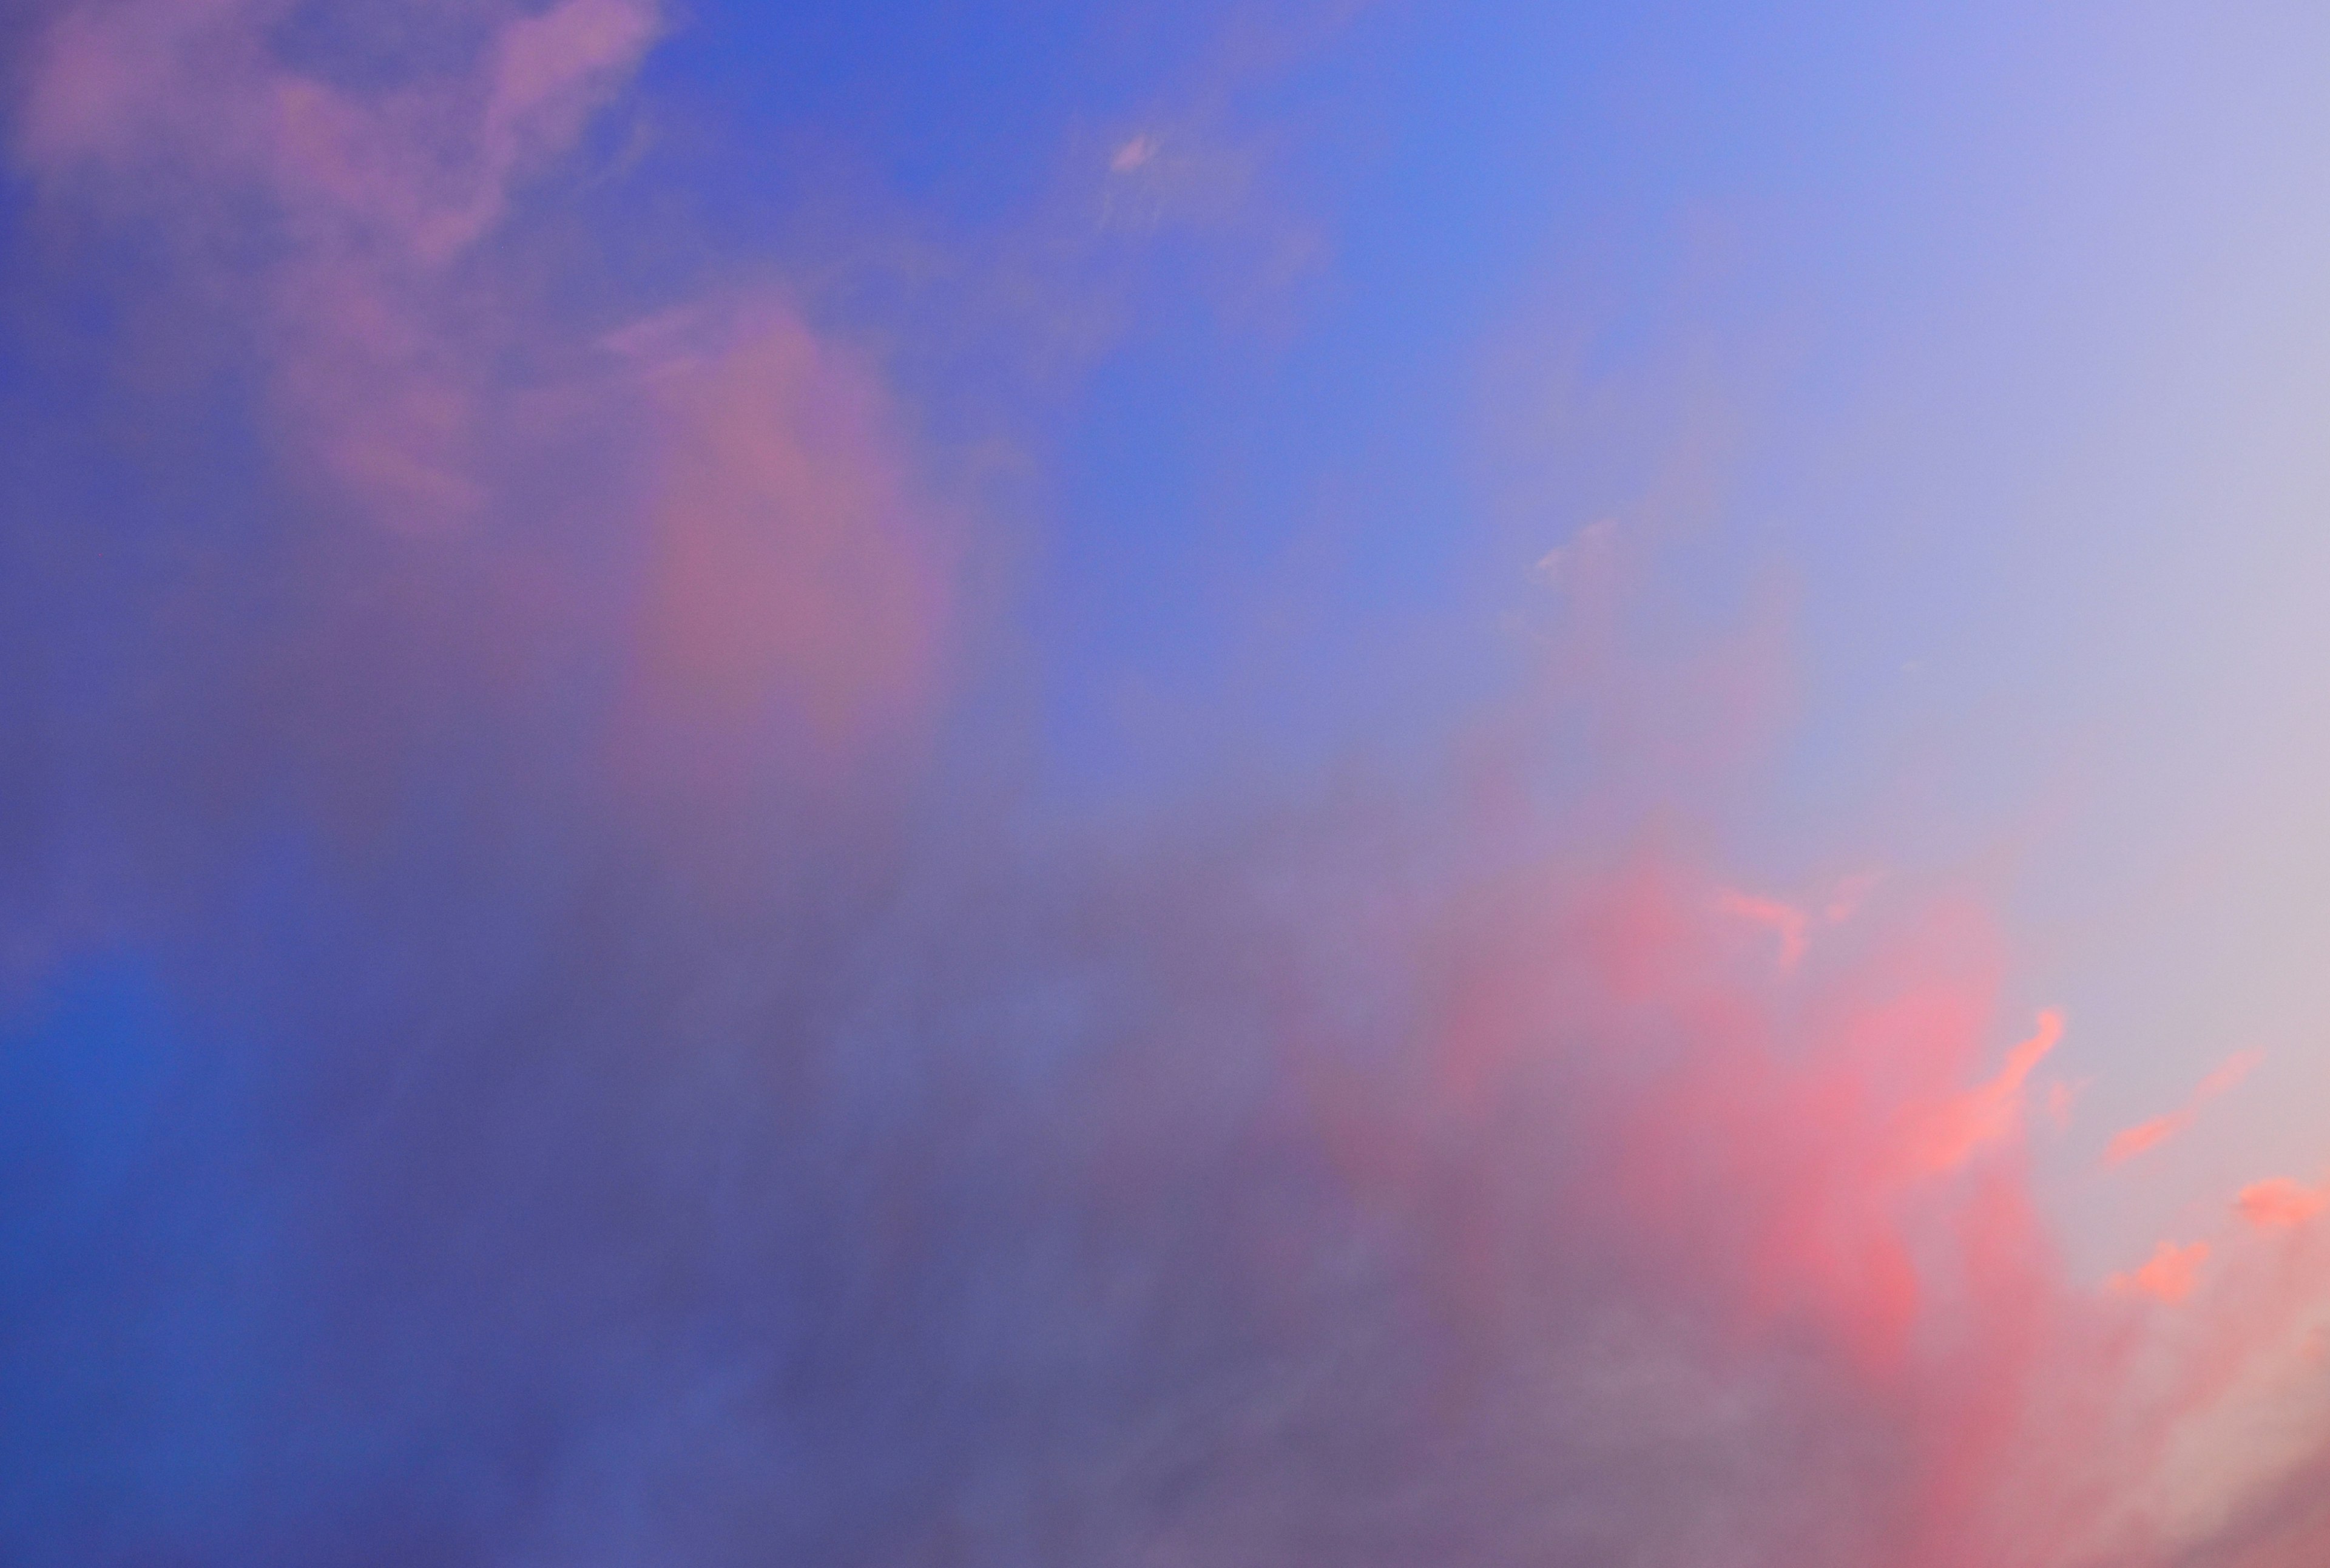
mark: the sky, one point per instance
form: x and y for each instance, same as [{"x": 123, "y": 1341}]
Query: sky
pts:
[{"x": 1310, "y": 781}]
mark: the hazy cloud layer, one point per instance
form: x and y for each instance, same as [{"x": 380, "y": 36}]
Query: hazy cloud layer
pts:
[{"x": 517, "y": 1058}]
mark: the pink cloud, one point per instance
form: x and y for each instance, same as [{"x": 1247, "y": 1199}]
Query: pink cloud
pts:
[
  {"x": 1611, "y": 1155},
  {"x": 794, "y": 569},
  {"x": 2168, "y": 1276},
  {"x": 2236, "y": 1068},
  {"x": 795, "y": 578},
  {"x": 1844, "y": 1172},
  {"x": 2147, "y": 1135},
  {"x": 2280, "y": 1204},
  {"x": 1792, "y": 924},
  {"x": 381, "y": 376},
  {"x": 1985, "y": 1115},
  {"x": 2144, "y": 1137}
]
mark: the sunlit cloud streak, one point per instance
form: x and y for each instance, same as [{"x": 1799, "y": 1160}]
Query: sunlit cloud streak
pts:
[{"x": 2146, "y": 1135}]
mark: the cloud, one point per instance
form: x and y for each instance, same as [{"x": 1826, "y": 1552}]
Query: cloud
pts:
[
  {"x": 1372, "y": 1175},
  {"x": 1785, "y": 920},
  {"x": 2146, "y": 1135},
  {"x": 430, "y": 1154},
  {"x": 1984, "y": 1116},
  {"x": 795, "y": 570},
  {"x": 1792, "y": 925},
  {"x": 1378, "y": 1174},
  {"x": 2236, "y": 1069},
  {"x": 2279, "y": 1203},
  {"x": 2169, "y": 1275},
  {"x": 377, "y": 347}
]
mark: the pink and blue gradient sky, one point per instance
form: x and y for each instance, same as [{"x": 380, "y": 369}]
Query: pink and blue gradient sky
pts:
[{"x": 1295, "y": 782}]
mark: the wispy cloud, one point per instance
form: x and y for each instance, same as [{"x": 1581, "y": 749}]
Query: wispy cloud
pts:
[
  {"x": 2146, "y": 1135},
  {"x": 381, "y": 378},
  {"x": 795, "y": 579},
  {"x": 1792, "y": 925}
]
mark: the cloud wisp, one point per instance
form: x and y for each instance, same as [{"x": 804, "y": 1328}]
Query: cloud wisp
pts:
[{"x": 2146, "y": 1135}]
